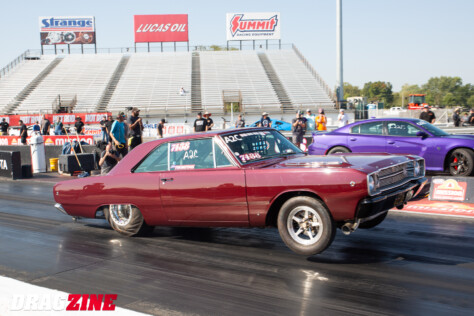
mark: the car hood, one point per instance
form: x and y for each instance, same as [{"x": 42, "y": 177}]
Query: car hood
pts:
[
  {"x": 366, "y": 162},
  {"x": 470, "y": 137}
]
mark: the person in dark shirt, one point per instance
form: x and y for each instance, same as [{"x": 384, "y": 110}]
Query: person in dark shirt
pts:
[
  {"x": 23, "y": 132},
  {"x": 4, "y": 127},
  {"x": 135, "y": 126},
  {"x": 36, "y": 128},
  {"x": 265, "y": 121},
  {"x": 45, "y": 125},
  {"x": 108, "y": 127},
  {"x": 471, "y": 117},
  {"x": 298, "y": 128},
  {"x": 160, "y": 127},
  {"x": 240, "y": 123},
  {"x": 209, "y": 121},
  {"x": 200, "y": 124},
  {"x": 108, "y": 159},
  {"x": 103, "y": 123},
  {"x": 427, "y": 115},
  {"x": 79, "y": 126},
  {"x": 457, "y": 117}
]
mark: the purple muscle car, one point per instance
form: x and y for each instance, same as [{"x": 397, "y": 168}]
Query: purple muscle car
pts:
[{"x": 442, "y": 151}]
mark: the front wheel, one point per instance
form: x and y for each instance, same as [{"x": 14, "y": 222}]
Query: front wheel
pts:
[
  {"x": 305, "y": 225},
  {"x": 461, "y": 162},
  {"x": 127, "y": 220}
]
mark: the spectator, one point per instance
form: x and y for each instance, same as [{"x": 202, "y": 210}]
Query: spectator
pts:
[
  {"x": 427, "y": 115},
  {"x": 103, "y": 127},
  {"x": 240, "y": 123},
  {"x": 108, "y": 127},
  {"x": 36, "y": 127},
  {"x": 209, "y": 121},
  {"x": 45, "y": 125},
  {"x": 200, "y": 124},
  {"x": 23, "y": 132},
  {"x": 321, "y": 121},
  {"x": 135, "y": 126},
  {"x": 117, "y": 135},
  {"x": 457, "y": 117},
  {"x": 265, "y": 121},
  {"x": 471, "y": 116},
  {"x": 342, "y": 118},
  {"x": 298, "y": 128},
  {"x": 4, "y": 127},
  {"x": 108, "y": 159},
  {"x": 58, "y": 127},
  {"x": 182, "y": 92},
  {"x": 310, "y": 124},
  {"x": 161, "y": 125},
  {"x": 79, "y": 125}
]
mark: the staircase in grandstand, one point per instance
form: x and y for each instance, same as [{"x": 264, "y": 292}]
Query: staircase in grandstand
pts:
[
  {"x": 286, "y": 104},
  {"x": 196, "y": 104},
  {"x": 112, "y": 85},
  {"x": 29, "y": 88}
]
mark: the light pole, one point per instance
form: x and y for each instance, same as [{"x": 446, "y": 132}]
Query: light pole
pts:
[{"x": 339, "y": 70}]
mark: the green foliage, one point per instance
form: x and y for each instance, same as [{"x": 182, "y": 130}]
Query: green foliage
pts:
[
  {"x": 470, "y": 101},
  {"x": 351, "y": 91},
  {"x": 437, "y": 88},
  {"x": 378, "y": 91}
]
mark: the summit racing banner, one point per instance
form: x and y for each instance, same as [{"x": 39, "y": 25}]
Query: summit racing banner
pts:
[
  {"x": 161, "y": 28},
  {"x": 253, "y": 26},
  {"x": 66, "y": 118},
  {"x": 67, "y": 30}
]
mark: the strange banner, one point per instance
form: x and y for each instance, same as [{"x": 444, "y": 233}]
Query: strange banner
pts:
[
  {"x": 67, "y": 30},
  {"x": 253, "y": 26},
  {"x": 161, "y": 28}
]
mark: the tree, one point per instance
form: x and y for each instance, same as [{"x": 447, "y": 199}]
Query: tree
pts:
[
  {"x": 351, "y": 91},
  {"x": 379, "y": 91},
  {"x": 470, "y": 101},
  {"x": 437, "y": 87}
]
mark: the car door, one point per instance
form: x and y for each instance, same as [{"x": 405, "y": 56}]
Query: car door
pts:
[
  {"x": 202, "y": 185},
  {"x": 367, "y": 137},
  {"x": 402, "y": 139}
]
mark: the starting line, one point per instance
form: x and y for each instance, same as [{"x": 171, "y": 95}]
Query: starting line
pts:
[{"x": 425, "y": 206}]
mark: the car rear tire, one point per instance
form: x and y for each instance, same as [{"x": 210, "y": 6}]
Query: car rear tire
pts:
[
  {"x": 305, "y": 225},
  {"x": 127, "y": 220},
  {"x": 338, "y": 150},
  {"x": 461, "y": 162},
  {"x": 373, "y": 222}
]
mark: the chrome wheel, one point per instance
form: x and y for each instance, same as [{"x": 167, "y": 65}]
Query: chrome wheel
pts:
[
  {"x": 305, "y": 225},
  {"x": 121, "y": 214}
]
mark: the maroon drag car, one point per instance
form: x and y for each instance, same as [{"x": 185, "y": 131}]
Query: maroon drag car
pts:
[{"x": 250, "y": 177}]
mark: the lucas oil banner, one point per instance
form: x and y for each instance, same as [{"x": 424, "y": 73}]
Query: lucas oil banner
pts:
[
  {"x": 67, "y": 30},
  {"x": 161, "y": 28},
  {"x": 253, "y": 26}
]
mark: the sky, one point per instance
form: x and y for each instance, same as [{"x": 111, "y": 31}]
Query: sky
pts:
[{"x": 399, "y": 41}]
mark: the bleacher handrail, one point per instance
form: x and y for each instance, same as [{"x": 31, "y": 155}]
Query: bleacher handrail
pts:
[{"x": 5, "y": 70}]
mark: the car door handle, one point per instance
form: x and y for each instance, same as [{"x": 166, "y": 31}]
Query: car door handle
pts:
[
  {"x": 164, "y": 180},
  {"x": 391, "y": 142},
  {"x": 352, "y": 138}
]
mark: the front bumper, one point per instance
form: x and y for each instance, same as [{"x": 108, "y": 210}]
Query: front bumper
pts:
[{"x": 372, "y": 207}]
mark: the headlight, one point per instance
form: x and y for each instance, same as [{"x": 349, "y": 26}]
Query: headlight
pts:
[
  {"x": 371, "y": 183},
  {"x": 420, "y": 168}
]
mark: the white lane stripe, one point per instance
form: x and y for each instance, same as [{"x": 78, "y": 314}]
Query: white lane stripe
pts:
[{"x": 19, "y": 298}]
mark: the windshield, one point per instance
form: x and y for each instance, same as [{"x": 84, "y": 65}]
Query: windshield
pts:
[
  {"x": 251, "y": 146},
  {"x": 417, "y": 99},
  {"x": 432, "y": 129}
]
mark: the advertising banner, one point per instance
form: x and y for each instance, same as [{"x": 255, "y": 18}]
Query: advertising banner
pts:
[
  {"x": 161, "y": 28},
  {"x": 48, "y": 140},
  {"x": 67, "y": 30},
  {"x": 452, "y": 189},
  {"x": 10, "y": 164},
  {"x": 66, "y": 118},
  {"x": 170, "y": 129},
  {"x": 253, "y": 26}
]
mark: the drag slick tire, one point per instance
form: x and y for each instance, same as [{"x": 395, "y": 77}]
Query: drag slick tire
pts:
[
  {"x": 338, "y": 150},
  {"x": 127, "y": 220},
  {"x": 373, "y": 222},
  {"x": 305, "y": 225},
  {"x": 461, "y": 162}
]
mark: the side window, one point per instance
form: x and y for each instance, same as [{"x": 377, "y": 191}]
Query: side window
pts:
[
  {"x": 156, "y": 161},
  {"x": 191, "y": 154},
  {"x": 401, "y": 129},
  {"x": 355, "y": 129},
  {"x": 221, "y": 158},
  {"x": 373, "y": 128}
]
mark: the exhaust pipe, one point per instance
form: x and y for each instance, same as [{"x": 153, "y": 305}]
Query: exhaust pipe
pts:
[{"x": 349, "y": 228}]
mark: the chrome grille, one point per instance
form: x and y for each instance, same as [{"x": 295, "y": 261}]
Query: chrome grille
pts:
[{"x": 394, "y": 175}]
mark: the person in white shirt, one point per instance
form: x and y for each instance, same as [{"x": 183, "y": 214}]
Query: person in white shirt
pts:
[
  {"x": 182, "y": 91},
  {"x": 342, "y": 118},
  {"x": 309, "y": 120}
]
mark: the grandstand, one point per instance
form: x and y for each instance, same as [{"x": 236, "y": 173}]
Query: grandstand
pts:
[{"x": 276, "y": 81}]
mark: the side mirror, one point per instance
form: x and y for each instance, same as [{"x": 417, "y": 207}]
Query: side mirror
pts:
[{"x": 422, "y": 134}]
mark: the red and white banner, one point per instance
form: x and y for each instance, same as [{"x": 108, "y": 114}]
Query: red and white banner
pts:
[
  {"x": 448, "y": 189},
  {"x": 161, "y": 28},
  {"x": 253, "y": 26},
  {"x": 48, "y": 140},
  {"x": 66, "y": 118}
]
